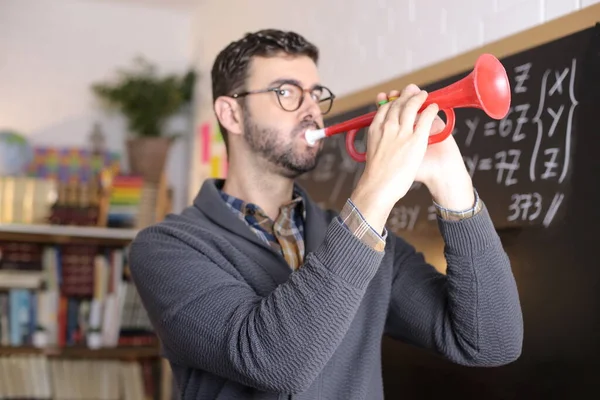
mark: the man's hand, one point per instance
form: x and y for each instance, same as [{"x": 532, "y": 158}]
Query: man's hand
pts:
[
  {"x": 396, "y": 146},
  {"x": 443, "y": 170}
]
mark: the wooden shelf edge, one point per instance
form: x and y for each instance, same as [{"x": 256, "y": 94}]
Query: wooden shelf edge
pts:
[
  {"x": 67, "y": 230},
  {"x": 65, "y": 234},
  {"x": 132, "y": 352}
]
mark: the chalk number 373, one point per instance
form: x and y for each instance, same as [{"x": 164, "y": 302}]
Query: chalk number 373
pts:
[{"x": 525, "y": 206}]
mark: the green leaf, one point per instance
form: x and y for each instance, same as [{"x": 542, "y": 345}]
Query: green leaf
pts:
[{"x": 146, "y": 99}]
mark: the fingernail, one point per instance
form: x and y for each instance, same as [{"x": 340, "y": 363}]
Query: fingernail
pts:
[
  {"x": 382, "y": 102},
  {"x": 393, "y": 98}
]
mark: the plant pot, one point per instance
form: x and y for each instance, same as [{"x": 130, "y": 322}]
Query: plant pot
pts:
[{"x": 148, "y": 156}]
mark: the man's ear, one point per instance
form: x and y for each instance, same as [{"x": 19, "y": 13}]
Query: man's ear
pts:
[{"x": 229, "y": 114}]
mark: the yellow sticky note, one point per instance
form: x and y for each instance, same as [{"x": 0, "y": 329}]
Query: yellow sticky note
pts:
[{"x": 215, "y": 167}]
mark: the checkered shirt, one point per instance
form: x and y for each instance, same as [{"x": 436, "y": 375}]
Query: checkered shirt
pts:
[{"x": 286, "y": 234}]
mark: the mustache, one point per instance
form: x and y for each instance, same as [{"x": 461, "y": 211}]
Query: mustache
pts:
[{"x": 307, "y": 124}]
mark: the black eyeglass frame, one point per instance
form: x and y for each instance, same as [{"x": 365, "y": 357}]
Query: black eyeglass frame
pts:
[{"x": 276, "y": 89}]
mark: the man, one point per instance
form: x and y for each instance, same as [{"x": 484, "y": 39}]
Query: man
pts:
[{"x": 257, "y": 293}]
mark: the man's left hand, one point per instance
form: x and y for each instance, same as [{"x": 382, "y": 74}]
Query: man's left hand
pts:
[{"x": 444, "y": 172}]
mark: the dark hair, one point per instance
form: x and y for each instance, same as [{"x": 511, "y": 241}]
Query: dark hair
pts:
[{"x": 230, "y": 69}]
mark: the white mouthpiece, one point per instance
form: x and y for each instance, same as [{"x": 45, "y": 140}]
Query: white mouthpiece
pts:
[{"x": 313, "y": 135}]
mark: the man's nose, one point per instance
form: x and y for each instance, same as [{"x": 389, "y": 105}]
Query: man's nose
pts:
[{"x": 312, "y": 105}]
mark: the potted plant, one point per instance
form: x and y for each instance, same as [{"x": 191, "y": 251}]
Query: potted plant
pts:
[{"x": 147, "y": 101}]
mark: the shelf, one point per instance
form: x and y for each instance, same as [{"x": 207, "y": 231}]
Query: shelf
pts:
[
  {"x": 73, "y": 231},
  {"x": 123, "y": 353},
  {"x": 65, "y": 234}
]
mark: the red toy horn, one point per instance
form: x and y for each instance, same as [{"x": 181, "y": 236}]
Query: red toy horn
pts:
[{"x": 487, "y": 87}]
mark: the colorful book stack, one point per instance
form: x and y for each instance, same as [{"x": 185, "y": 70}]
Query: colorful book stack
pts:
[
  {"x": 71, "y": 164},
  {"x": 125, "y": 201}
]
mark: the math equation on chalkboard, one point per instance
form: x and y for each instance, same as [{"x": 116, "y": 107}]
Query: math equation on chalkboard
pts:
[{"x": 525, "y": 158}]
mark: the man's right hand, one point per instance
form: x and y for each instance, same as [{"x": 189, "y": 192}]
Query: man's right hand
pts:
[{"x": 395, "y": 150}]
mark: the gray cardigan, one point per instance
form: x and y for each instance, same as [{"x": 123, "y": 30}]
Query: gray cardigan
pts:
[{"x": 235, "y": 322}]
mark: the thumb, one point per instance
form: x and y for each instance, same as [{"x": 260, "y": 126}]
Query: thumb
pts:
[{"x": 425, "y": 123}]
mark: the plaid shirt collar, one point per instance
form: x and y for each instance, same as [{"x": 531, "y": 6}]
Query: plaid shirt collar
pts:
[{"x": 285, "y": 235}]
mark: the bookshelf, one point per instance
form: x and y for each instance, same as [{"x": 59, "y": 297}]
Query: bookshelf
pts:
[{"x": 131, "y": 359}]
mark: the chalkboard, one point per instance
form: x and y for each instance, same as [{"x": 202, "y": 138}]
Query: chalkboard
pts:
[
  {"x": 536, "y": 171},
  {"x": 521, "y": 166}
]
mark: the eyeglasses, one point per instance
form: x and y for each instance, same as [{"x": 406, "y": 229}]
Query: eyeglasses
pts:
[{"x": 291, "y": 96}]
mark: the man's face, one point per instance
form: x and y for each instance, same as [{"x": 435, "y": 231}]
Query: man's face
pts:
[{"x": 272, "y": 133}]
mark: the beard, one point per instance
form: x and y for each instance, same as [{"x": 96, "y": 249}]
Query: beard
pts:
[{"x": 280, "y": 150}]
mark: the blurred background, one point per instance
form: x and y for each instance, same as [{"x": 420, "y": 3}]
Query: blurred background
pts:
[{"x": 106, "y": 125}]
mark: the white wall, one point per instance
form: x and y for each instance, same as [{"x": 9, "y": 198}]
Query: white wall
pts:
[
  {"x": 52, "y": 50},
  {"x": 364, "y": 42}
]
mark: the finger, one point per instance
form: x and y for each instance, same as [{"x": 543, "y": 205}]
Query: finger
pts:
[
  {"x": 425, "y": 123},
  {"x": 410, "y": 113},
  {"x": 383, "y": 105},
  {"x": 381, "y": 99},
  {"x": 399, "y": 97},
  {"x": 392, "y": 119},
  {"x": 374, "y": 131},
  {"x": 437, "y": 126},
  {"x": 404, "y": 95},
  {"x": 411, "y": 89},
  {"x": 393, "y": 95}
]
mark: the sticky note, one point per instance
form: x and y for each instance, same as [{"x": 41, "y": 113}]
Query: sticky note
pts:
[
  {"x": 205, "y": 143},
  {"x": 218, "y": 135},
  {"x": 215, "y": 167}
]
